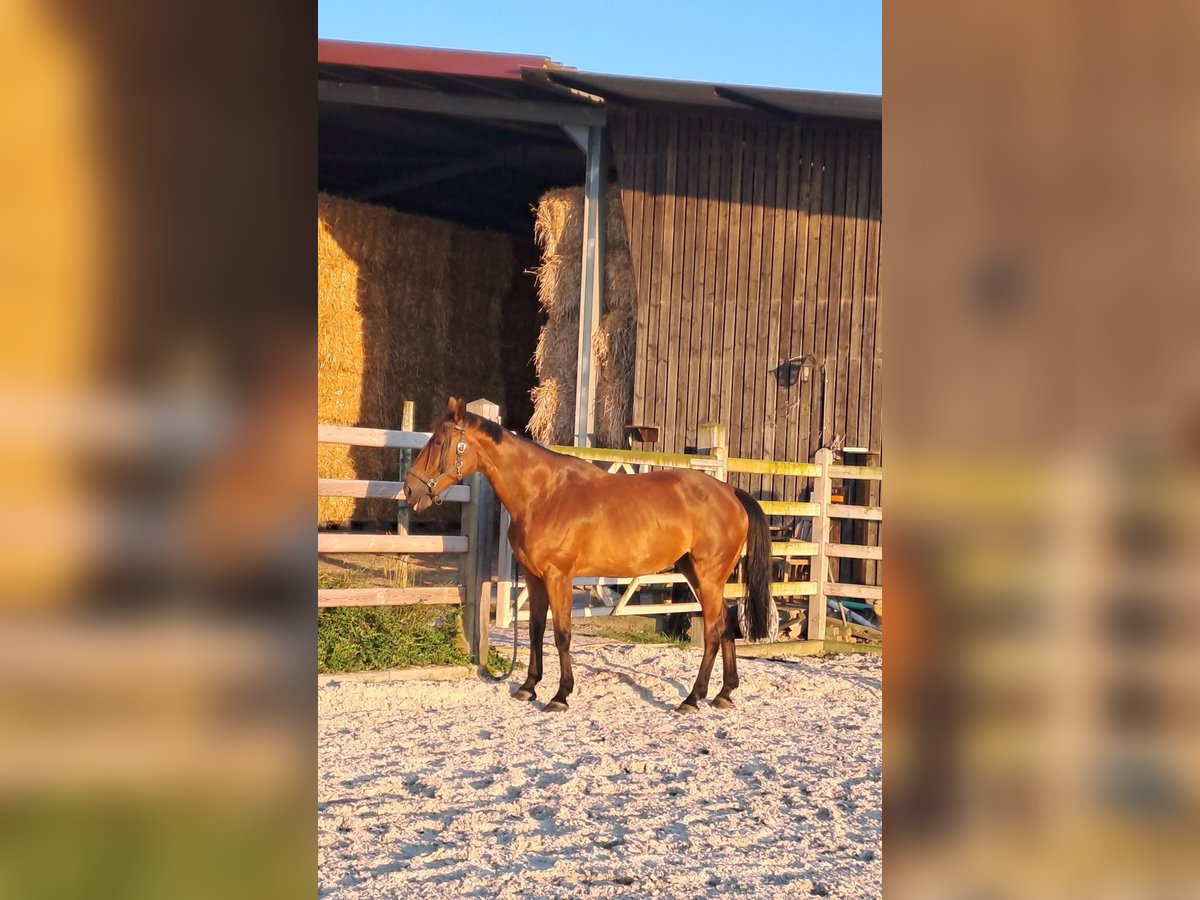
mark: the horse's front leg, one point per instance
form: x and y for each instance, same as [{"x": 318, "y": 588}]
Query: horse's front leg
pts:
[
  {"x": 558, "y": 587},
  {"x": 538, "y": 604}
]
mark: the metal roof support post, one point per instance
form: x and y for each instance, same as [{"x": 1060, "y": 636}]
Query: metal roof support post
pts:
[{"x": 591, "y": 289}]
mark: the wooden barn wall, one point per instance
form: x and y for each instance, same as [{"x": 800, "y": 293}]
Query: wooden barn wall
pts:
[{"x": 753, "y": 241}]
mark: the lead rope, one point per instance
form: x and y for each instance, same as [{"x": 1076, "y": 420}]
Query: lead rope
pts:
[{"x": 512, "y": 663}]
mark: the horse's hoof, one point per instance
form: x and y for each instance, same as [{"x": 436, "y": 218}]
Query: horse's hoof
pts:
[
  {"x": 722, "y": 702},
  {"x": 523, "y": 694},
  {"x": 555, "y": 706},
  {"x": 686, "y": 707}
]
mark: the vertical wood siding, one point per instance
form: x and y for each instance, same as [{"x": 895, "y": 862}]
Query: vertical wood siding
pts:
[{"x": 753, "y": 241}]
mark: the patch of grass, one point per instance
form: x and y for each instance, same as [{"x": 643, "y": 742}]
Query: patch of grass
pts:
[
  {"x": 358, "y": 639},
  {"x": 498, "y": 661}
]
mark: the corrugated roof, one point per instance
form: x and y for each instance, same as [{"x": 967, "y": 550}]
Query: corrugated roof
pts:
[
  {"x": 785, "y": 101},
  {"x": 433, "y": 60},
  {"x": 531, "y": 77}
]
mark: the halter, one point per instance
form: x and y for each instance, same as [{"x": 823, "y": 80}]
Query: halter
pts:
[{"x": 459, "y": 449}]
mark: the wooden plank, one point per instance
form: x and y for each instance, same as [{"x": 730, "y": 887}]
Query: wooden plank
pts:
[
  {"x": 735, "y": 259},
  {"x": 371, "y": 437},
  {"x": 725, "y": 241},
  {"x": 800, "y": 421},
  {"x": 854, "y": 551},
  {"x": 815, "y": 265},
  {"x": 776, "y": 443},
  {"x": 777, "y": 160},
  {"x": 866, "y": 473},
  {"x": 854, "y": 591},
  {"x": 858, "y": 513},
  {"x": 753, "y": 357},
  {"x": 821, "y": 284},
  {"x": 632, "y": 457},
  {"x": 854, "y": 395},
  {"x": 428, "y": 596},
  {"x": 685, "y": 355},
  {"x": 340, "y": 542},
  {"x": 383, "y": 490},
  {"x": 843, "y": 295},
  {"x": 784, "y": 508},
  {"x": 707, "y": 399},
  {"x": 794, "y": 548},
  {"x": 640, "y": 214},
  {"x": 668, "y": 325},
  {"x": 778, "y": 589},
  {"x": 771, "y": 467}
]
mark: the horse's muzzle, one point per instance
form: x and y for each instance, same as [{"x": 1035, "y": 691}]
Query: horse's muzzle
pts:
[{"x": 417, "y": 494}]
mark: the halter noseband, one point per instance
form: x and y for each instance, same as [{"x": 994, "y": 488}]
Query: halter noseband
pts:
[{"x": 459, "y": 449}]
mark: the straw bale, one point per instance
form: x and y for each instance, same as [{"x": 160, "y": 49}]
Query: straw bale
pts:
[
  {"x": 408, "y": 308},
  {"x": 615, "y": 353},
  {"x": 559, "y": 232}
]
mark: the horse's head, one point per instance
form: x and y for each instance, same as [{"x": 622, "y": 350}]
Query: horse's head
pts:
[{"x": 448, "y": 458}]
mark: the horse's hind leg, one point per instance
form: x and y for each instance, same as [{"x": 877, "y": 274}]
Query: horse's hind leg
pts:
[
  {"x": 728, "y": 663},
  {"x": 538, "y": 604},
  {"x": 558, "y": 587},
  {"x": 712, "y": 605}
]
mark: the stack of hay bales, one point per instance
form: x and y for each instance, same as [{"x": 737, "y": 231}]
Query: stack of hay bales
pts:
[
  {"x": 559, "y": 231},
  {"x": 408, "y": 308}
]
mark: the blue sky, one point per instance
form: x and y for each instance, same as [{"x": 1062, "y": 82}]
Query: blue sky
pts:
[{"x": 834, "y": 45}]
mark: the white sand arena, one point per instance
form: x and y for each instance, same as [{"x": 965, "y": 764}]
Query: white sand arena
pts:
[{"x": 453, "y": 789}]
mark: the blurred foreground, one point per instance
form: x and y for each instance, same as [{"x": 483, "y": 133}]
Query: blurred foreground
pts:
[{"x": 1043, "y": 419}]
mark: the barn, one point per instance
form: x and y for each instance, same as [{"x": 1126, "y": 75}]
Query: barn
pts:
[
  {"x": 749, "y": 237},
  {"x": 751, "y": 215}
]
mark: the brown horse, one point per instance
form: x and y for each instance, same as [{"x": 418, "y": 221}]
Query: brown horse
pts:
[{"x": 570, "y": 518}]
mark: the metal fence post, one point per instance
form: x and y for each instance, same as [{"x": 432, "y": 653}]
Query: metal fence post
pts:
[{"x": 823, "y": 496}]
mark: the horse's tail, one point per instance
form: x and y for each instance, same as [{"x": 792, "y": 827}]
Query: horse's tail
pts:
[{"x": 761, "y": 619}]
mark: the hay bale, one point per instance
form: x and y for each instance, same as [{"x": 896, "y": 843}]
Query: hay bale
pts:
[
  {"x": 615, "y": 352},
  {"x": 408, "y": 308},
  {"x": 559, "y": 232}
]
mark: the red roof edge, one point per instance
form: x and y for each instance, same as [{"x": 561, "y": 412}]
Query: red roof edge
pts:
[{"x": 428, "y": 59}]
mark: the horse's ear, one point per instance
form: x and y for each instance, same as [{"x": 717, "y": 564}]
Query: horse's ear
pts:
[
  {"x": 458, "y": 408},
  {"x": 451, "y": 406}
]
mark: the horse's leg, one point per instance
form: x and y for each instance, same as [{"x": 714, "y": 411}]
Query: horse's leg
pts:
[
  {"x": 558, "y": 586},
  {"x": 538, "y": 604},
  {"x": 712, "y": 606},
  {"x": 728, "y": 662}
]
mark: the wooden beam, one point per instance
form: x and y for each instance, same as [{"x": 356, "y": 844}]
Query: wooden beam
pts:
[
  {"x": 861, "y": 473},
  {"x": 854, "y": 591},
  {"x": 429, "y": 596},
  {"x": 339, "y": 542},
  {"x": 371, "y": 437},
  {"x": 384, "y": 490},
  {"x": 544, "y": 111},
  {"x": 863, "y": 513},
  {"x": 854, "y": 551},
  {"x": 771, "y": 467},
  {"x": 782, "y": 508}
]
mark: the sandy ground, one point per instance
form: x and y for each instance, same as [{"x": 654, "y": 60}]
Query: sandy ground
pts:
[{"x": 454, "y": 789}]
